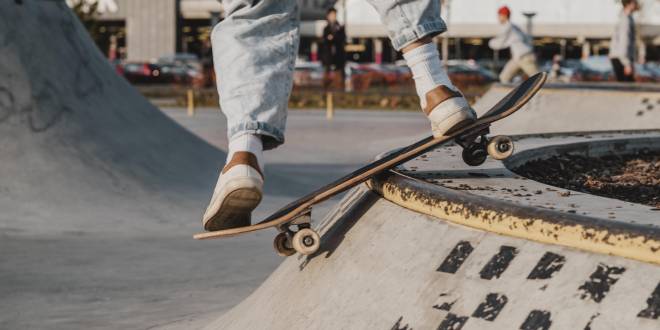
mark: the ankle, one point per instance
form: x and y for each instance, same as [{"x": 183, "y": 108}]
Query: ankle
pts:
[
  {"x": 243, "y": 158},
  {"x": 246, "y": 143},
  {"x": 438, "y": 95},
  {"x": 428, "y": 72}
]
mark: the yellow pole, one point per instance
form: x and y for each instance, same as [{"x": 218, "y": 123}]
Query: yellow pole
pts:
[
  {"x": 330, "y": 113},
  {"x": 191, "y": 103}
]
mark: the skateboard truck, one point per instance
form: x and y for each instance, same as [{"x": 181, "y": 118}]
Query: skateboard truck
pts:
[
  {"x": 305, "y": 240},
  {"x": 477, "y": 146}
]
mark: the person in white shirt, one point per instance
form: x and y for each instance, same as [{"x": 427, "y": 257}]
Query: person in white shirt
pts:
[
  {"x": 622, "y": 45},
  {"x": 520, "y": 44}
]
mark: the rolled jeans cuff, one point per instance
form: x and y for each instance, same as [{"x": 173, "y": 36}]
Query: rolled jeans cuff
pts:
[
  {"x": 407, "y": 36},
  {"x": 271, "y": 136}
]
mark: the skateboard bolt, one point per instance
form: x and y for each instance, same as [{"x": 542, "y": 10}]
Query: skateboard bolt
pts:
[{"x": 308, "y": 241}]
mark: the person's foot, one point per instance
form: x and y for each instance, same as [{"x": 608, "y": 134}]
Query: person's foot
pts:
[
  {"x": 447, "y": 110},
  {"x": 237, "y": 193},
  {"x": 445, "y": 107}
]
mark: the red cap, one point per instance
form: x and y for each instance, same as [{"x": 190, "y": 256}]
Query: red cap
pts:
[{"x": 504, "y": 10}]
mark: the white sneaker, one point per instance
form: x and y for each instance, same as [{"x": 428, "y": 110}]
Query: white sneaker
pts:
[
  {"x": 448, "y": 111},
  {"x": 237, "y": 193}
]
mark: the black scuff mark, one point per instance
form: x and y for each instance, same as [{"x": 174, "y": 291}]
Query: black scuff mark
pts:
[
  {"x": 652, "y": 311},
  {"x": 537, "y": 320},
  {"x": 549, "y": 264},
  {"x": 600, "y": 282},
  {"x": 499, "y": 263},
  {"x": 593, "y": 317},
  {"x": 453, "y": 322},
  {"x": 489, "y": 309},
  {"x": 456, "y": 257},
  {"x": 444, "y": 306},
  {"x": 399, "y": 326}
]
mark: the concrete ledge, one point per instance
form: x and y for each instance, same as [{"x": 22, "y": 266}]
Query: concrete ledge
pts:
[
  {"x": 579, "y": 108},
  {"x": 619, "y": 238},
  {"x": 596, "y": 86}
]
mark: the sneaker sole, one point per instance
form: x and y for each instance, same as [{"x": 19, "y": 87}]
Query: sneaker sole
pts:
[
  {"x": 454, "y": 122},
  {"x": 236, "y": 210}
]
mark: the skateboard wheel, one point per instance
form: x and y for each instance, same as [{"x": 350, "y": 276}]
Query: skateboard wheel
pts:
[
  {"x": 306, "y": 241},
  {"x": 475, "y": 154},
  {"x": 283, "y": 246},
  {"x": 500, "y": 147}
]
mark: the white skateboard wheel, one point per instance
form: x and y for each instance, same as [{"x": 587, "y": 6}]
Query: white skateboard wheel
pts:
[
  {"x": 306, "y": 241},
  {"x": 500, "y": 147}
]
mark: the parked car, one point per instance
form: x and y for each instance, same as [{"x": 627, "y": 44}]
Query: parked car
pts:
[
  {"x": 144, "y": 73},
  {"x": 467, "y": 73},
  {"x": 181, "y": 59},
  {"x": 654, "y": 68},
  {"x": 599, "y": 68},
  {"x": 645, "y": 73},
  {"x": 308, "y": 74},
  {"x": 594, "y": 68}
]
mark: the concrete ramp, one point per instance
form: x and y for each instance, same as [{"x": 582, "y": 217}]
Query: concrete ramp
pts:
[
  {"x": 100, "y": 192},
  {"x": 445, "y": 246},
  {"x": 75, "y": 135},
  {"x": 382, "y": 266},
  {"x": 561, "y": 108},
  {"x": 87, "y": 165}
]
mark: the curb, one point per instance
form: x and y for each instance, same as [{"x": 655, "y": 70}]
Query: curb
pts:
[{"x": 638, "y": 242}]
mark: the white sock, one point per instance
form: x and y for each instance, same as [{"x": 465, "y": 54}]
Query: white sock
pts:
[
  {"x": 247, "y": 142},
  {"x": 427, "y": 70}
]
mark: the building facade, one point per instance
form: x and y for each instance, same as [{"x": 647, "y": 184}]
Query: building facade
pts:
[{"x": 147, "y": 29}]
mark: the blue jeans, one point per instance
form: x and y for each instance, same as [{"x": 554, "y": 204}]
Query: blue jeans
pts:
[{"x": 255, "y": 48}]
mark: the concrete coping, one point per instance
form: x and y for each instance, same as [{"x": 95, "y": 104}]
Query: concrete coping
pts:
[
  {"x": 590, "y": 231},
  {"x": 598, "y": 86}
]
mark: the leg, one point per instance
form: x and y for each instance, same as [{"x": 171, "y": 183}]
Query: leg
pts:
[
  {"x": 254, "y": 50},
  {"x": 528, "y": 65},
  {"x": 509, "y": 71},
  {"x": 617, "y": 67},
  {"x": 411, "y": 26}
]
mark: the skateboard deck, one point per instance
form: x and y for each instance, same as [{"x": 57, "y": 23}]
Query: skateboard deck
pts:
[{"x": 473, "y": 138}]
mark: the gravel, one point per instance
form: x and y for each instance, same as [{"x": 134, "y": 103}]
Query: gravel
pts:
[{"x": 633, "y": 178}]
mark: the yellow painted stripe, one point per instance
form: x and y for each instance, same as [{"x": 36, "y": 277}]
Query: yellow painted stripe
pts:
[{"x": 536, "y": 229}]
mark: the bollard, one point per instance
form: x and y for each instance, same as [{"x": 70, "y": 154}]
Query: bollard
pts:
[
  {"x": 330, "y": 113},
  {"x": 191, "y": 103}
]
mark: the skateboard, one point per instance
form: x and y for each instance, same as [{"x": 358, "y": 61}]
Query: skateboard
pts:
[{"x": 472, "y": 138}]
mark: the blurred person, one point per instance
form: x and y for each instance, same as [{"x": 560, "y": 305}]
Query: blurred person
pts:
[
  {"x": 622, "y": 46},
  {"x": 555, "y": 68},
  {"x": 333, "y": 53},
  {"x": 520, "y": 44},
  {"x": 255, "y": 49}
]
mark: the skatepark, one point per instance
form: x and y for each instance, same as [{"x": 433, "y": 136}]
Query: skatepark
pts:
[{"x": 101, "y": 192}]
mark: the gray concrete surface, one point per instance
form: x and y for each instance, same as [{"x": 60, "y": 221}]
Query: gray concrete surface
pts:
[
  {"x": 100, "y": 192},
  {"x": 494, "y": 179},
  {"x": 381, "y": 266},
  {"x": 581, "y": 107}
]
